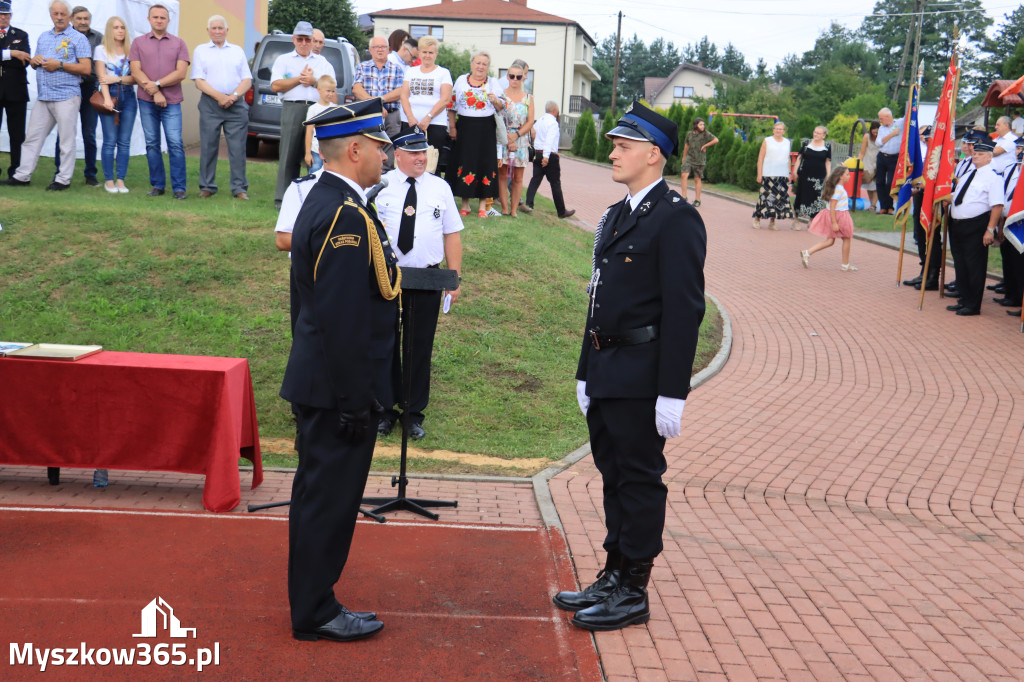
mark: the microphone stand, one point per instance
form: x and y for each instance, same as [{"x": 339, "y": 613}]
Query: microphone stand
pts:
[{"x": 413, "y": 279}]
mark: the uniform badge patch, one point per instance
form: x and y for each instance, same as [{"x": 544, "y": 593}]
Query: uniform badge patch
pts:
[
  {"x": 410, "y": 211},
  {"x": 345, "y": 240},
  {"x": 628, "y": 259},
  {"x": 437, "y": 213}
]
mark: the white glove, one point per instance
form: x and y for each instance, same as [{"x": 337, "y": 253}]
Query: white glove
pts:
[
  {"x": 581, "y": 397},
  {"x": 667, "y": 413}
]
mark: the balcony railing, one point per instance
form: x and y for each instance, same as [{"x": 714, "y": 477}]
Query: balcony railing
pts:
[{"x": 578, "y": 104}]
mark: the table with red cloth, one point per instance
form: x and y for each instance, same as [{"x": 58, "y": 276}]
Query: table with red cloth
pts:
[{"x": 140, "y": 411}]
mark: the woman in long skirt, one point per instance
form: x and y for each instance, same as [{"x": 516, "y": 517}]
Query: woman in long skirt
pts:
[
  {"x": 473, "y": 165},
  {"x": 773, "y": 176},
  {"x": 813, "y": 165}
]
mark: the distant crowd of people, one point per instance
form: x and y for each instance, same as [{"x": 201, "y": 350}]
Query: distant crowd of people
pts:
[{"x": 85, "y": 77}]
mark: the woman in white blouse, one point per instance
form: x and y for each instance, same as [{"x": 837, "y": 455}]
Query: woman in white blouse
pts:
[
  {"x": 116, "y": 82},
  {"x": 773, "y": 176},
  {"x": 473, "y": 164},
  {"x": 426, "y": 92}
]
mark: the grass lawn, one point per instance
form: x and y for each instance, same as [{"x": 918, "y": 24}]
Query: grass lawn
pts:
[{"x": 202, "y": 277}]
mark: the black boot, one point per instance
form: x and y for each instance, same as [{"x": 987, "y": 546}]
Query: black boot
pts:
[
  {"x": 626, "y": 605},
  {"x": 607, "y": 580}
]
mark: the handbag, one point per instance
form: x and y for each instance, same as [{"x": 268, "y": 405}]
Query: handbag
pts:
[{"x": 96, "y": 100}]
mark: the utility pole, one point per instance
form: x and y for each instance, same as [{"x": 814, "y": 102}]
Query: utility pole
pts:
[
  {"x": 917, "y": 43},
  {"x": 918, "y": 10},
  {"x": 615, "y": 78}
]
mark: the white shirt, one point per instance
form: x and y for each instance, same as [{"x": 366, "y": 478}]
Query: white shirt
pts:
[
  {"x": 436, "y": 216},
  {"x": 635, "y": 201},
  {"x": 1000, "y": 162},
  {"x": 425, "y": 92},
  {"x": 984, "y": 194},
  {"x": 290, "y": 65},
  {"x": 224, "y": 68},
  {"x": 776, "y": 158},
  {"x": 548, "y": 134},
  {"x": 1017, "y": 126},
  {"x": 291, "y": 202},
  {"x": 468, "y": 98},
  {"x": 893, "y": 145},
  {"x": 314, "y": 109},
  {"x": 400, "y": 63}
]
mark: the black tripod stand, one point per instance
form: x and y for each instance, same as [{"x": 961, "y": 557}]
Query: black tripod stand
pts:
[{"x": 413, "y": 279}]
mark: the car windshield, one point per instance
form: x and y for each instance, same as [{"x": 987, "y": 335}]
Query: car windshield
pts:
[{"x": 275, "y": 49}]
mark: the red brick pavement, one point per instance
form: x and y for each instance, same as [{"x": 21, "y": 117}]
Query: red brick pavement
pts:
[
  {"x": 841, "y": 505},
  {"x": 843, "y": 501}
]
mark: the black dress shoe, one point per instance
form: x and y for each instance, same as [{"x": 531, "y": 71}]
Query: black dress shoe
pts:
[
  {"x": 912, "y": 282},
  {"x": 950, "y": 286},
  {"x": 968, "y": 312},
  {"x": 361, "y": 615},
  {"x": 953, "y": 308},
  {"x": 92, "y": 182},
  {"x": 385, "y": 425},
  {"x": 1007, "y": 302},
  {"x": 416, "y": 431},
  {"x": 155, "y": 192},
  {"x": 57, "y": 187},
  {"x": 344, "y": 628},
  {"x": 928, "y": 286},
  {"x": 568, "y": 214},
  {"x": 993, "y": 287},
  {"x": 626, "y": 605},
  {"x": 608, "y": 579},
  {"x": 1013, "y": 313},
  {"x": 14, "y": 182}
]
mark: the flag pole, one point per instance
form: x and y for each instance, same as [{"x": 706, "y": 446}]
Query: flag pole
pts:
[
  {"x": 899, "y": 266},
  {"x": 945, "y": 246}
]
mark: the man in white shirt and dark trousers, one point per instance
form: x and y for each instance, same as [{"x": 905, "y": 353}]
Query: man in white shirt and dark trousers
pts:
[
  {"x": 423, "y": 225},
  {"x": 294, "y": 76},
  {"x": 890, "y": 134},
  {"x": 1004, "y": 153},
  {"x": 545, "y": 162},
  {"x": 221, "y": 72},
  {"x": 977, "y": 207}
]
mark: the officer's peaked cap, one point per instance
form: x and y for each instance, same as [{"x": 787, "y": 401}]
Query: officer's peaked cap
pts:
[
  {"x": 357, "y": 118},
  {"x": 641, "y": 123}
]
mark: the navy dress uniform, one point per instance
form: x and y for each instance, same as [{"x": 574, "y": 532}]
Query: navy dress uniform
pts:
[
  {"x": 419, "y": 214},
  {"x": 13, "y": 85},
  {"x": 645, "y": 309},
  {"x": 976, "y": 197},
  {"x": 1013, "y": 260},
  {"x": 346, "y": 282}
]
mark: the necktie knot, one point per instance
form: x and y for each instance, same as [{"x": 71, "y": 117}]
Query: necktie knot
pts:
[{"x": 411, "y": 181}]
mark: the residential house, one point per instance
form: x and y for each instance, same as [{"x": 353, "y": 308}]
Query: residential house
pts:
[
  {"x": 559, "y": 52},
  {"x": 683, "y": 85}
]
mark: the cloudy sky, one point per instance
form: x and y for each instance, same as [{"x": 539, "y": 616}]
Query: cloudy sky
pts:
[{"x": 759, "y": 28}]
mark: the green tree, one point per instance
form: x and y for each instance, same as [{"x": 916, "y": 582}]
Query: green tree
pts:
[
  {"x": 746, "y": 174},
  {"x": 715, "y": 169},
  {"x": 732, "y": 162},
  {"x": 585, "y": 124},
  {"x": 734, "y": 64},
  {"x": 457, "y": 62},
  {"x": 866, "y": 105},
  {"x": 604, "y": 145},
  {"x": 887, "y": 27},
  {"x": 761, "y": 70},
  {"x": 704, "y": 53},
  {"x": 1013, "y": 67},
  {"x": 333, "y": 17},
  {"x": 637, "y": 62}
]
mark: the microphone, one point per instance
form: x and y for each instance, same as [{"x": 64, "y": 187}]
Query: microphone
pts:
[{"x": 372, "y": 193}]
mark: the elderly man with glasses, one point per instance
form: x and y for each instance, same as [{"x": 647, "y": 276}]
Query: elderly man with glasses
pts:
[
  {"x": 294, "y": 76},
  {"x": 380, "y": 77}
]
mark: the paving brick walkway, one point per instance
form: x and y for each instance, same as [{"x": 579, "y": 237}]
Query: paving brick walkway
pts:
[{"x": 843, "y": 501}]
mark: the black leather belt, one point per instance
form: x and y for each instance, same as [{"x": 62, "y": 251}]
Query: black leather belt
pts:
[
  {"x": 889, "y": 155},
  {"x": 629, "y": 338}
]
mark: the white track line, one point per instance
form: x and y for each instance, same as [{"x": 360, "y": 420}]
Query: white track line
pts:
[{"x": 210, "y": 515}]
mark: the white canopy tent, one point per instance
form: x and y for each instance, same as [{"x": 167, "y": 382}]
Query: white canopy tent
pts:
[{"x": 34, "y": 18}]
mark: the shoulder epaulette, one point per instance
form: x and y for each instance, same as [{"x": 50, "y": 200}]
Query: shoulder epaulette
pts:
[{"x": 305, "y": 178}]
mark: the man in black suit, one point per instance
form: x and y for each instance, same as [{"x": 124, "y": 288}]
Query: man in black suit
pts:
[
  {"x": 15, "y": 54},
  {"x": 342, "y": 345},
  {"x": 646, "y": 306}
]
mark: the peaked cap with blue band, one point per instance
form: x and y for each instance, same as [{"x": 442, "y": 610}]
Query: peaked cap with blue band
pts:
[
  {"x": 411, "y": 140},
  {"x": 641, "y": 123},
  {"x": 5, "y": 7},
  {"x": 356, "y": 118}
]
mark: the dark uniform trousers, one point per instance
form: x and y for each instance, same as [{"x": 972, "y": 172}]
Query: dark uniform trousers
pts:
[
  {"x": 970, "y": 258},
  {"x": 922, "y": 244},
  {"x": 885, "y": 169},
  {"x": 14, "y": 93},
  {"x": 342, "y": 343},
  {"x": 424, "y": 306},
  {"x": 651, "y": 267},
  {"x": 1013, "y": 272}
]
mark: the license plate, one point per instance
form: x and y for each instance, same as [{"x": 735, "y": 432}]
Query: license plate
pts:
[{"x": 272, "y": 99}]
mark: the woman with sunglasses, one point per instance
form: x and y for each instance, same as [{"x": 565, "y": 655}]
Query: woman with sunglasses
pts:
[
  {"x": 518, "y": 114},
  {"x": 426, "y": 91}
]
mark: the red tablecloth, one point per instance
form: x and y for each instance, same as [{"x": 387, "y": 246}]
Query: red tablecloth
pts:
[{"x": 115, "y": 410}]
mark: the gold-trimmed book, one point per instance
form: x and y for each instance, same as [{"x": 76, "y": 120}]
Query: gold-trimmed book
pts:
[
  {"x": 7, "y": 347},
  {"x": 55, "y": 351}
]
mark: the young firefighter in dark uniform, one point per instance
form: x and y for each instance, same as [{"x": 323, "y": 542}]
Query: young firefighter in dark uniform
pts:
[
  {"x": 645, "y": 309},
  {"x": 347, "y": 287}
]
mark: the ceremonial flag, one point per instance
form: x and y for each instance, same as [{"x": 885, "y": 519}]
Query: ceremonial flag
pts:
[
  {"x": 908, "y": 164},
  {"x": 941, "y": 157},
  {"x": 1013, "y": 230}
]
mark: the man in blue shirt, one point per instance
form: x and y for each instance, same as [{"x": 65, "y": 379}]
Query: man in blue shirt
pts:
[{"x": 62, "y": 58}]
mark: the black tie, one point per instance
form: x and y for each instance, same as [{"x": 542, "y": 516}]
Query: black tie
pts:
[
  {"x": 408, "y": 226},
  {"x": 960, "y": 195}
]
